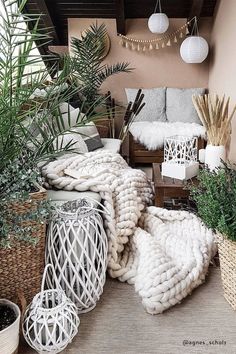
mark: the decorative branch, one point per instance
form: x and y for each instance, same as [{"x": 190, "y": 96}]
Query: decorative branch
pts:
[
  {"x": 132, "y": 110},
  {"x": 214, "y": 115},
  {"x": 111, "y": 113}
]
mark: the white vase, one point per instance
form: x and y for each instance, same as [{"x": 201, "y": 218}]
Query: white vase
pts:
[
  {"x": 214, "y": 156},
  {"x": 9, "y": 337}
]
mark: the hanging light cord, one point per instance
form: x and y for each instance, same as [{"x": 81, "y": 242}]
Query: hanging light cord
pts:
[
  {"x": 158, "y": 4},
  {"x": 195, "y": 30}
]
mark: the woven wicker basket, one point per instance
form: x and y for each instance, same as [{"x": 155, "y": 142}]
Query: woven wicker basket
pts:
[
  {"x": 227, "y": 254},
  {"x": 22, "y": 265}
]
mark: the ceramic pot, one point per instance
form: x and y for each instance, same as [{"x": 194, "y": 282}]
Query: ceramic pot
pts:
[
  {"x": 214, "y": 155},
  {"x": 9, "y": 337}
]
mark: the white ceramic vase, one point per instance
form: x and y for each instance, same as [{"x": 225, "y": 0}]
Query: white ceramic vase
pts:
[
  {"x": 214, "y": 156},
  {"x": 9, "y": 337}
]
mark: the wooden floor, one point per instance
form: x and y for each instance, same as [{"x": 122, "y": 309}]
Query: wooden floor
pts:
[{"x": 119, "y": 324}]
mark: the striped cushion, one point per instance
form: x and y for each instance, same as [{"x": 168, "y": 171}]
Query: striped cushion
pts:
[{"x": 90, "y": 136}]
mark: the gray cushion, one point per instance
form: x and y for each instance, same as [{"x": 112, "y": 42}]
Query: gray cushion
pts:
[
  {"x": 90, "y": 135},
  {"x": 179, "y": 105},
  {"x": 154, "y": 109}
]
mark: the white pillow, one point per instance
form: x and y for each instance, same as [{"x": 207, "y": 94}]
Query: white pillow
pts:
[
  {"x": 69, "y": 112},
  {"x": 79, "y": 145},
  {"x": 65, "y": 107}
]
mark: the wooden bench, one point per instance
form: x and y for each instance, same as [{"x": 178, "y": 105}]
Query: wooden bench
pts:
[{"x": 139, "y": 154}]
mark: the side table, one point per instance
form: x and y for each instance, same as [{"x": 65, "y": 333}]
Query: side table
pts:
[{"x": 166, "y": 187}]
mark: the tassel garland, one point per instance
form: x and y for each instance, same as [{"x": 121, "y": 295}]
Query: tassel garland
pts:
[{"x": 142, "y": 45}]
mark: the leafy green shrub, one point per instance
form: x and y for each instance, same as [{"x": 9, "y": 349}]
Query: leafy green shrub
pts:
[
  {"x": 215, "y": 197},
  {"x": 17, "y": 181}
]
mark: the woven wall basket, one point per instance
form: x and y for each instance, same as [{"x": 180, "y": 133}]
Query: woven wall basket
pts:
[
  {"x": 22, "y": 265},
  {"x": 227, "y": 254}
]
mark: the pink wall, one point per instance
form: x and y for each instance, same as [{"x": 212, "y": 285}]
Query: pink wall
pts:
[
  {"x": 222, "y": 74},
  {"x": 162, "y": 67}
]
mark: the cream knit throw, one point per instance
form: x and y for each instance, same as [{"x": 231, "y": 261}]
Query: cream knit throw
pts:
[{"x": 164, "y": 253}]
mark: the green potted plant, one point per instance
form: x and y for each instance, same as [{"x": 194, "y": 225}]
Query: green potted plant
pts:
[
  {"x": 89, "y": 70},
  {"x": 31, "y": 125},
  {"x": 215, "y": 197}
]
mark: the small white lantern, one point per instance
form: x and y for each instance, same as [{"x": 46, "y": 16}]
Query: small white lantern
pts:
[
  {"x": 50, "y": 322},
  {"x": 158, "y": 23},
  {"x": 180, "y": 157},
  {"x": 194, "y": 50}
]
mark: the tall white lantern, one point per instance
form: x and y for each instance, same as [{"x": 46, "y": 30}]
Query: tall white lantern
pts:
[
  {"x": 180, "y": 157},
  {"x": 77, "y": 250},
  {"x": 194, "y": 50},
  {"x": 158, "y": 23}
]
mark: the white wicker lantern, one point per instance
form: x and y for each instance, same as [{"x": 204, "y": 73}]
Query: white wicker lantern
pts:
[
  {"x": 180, "y": 157},
  {"x": 194, "y": 49},
  {"x": 50, "y": 321},
  {"x": 77, "y": 248}
]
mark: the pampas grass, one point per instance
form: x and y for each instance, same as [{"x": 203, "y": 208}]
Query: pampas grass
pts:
[{"x": 214, "y": 115}]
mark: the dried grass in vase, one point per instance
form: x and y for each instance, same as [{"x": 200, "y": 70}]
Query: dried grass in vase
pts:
[{"x": 214, "y": 115}]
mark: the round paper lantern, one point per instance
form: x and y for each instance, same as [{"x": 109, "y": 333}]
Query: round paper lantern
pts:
[
  {"x": 194, "y": 49},
  {"x": 158, "y": 23}
]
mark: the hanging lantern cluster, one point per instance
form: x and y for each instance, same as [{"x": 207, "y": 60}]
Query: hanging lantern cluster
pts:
[
  {"x": 158, "y": 22},
  {"x": 142, "y": 45},
  {"x": 194, "y": 49}
]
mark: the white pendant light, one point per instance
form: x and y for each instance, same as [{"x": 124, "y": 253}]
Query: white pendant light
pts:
[
  {"x": 158, "y": 22},
  {"x": 194, "y": 48}
]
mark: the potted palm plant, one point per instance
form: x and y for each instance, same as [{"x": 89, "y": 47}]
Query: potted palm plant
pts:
[
  {"x": 90, "y": 71},
  {"x": 215, "y": 197},
  {"x": 31, "y": 125}
]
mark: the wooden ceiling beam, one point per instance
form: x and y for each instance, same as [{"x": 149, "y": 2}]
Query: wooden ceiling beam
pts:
[
  {"x": 195, "y": 11},
  {"x": 120, "y": 17},
  {"x": 39, "y": 7}
]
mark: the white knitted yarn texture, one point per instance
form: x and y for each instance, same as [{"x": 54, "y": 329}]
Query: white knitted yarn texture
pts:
[{"x": 164, "y": 253}]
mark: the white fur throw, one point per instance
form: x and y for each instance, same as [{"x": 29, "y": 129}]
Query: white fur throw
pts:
[
  {"x": 164, "y": 253},
  {"x": 152, "y": 134}
]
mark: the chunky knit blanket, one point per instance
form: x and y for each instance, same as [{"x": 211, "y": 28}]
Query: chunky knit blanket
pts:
[{"x": 164, "y": 253}]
